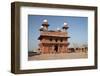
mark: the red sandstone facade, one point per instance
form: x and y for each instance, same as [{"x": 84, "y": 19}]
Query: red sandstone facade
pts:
[{"x": 53, "y": 41}]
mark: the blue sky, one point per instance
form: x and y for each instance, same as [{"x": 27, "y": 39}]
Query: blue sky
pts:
[{"x": 78, "y": 28}]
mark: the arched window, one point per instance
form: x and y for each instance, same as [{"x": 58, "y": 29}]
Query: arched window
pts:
[
  {"x": 61, "y": 40},
  {"x": 56, "y": 40},
  {"x": 50, "y": 39}
]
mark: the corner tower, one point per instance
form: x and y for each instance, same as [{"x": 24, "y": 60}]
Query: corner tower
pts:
[
  {"x": 65, "y": 27},
  {"x": 45, "y": 25}
]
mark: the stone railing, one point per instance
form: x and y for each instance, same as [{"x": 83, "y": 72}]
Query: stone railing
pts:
[
  {"x": 59, "y": 34},
  {"x": 54, "y": 42}
]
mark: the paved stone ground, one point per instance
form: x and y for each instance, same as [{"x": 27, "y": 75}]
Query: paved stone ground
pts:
[{"x": 59, "y": 56}]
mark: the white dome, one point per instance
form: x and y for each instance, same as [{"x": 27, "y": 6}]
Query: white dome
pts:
[
  {"x": 45, "y": 20},
  {"x": 41, "y": 27},
  {"x": 58, "y": 28},
  {"x": 65, "y": 24}
]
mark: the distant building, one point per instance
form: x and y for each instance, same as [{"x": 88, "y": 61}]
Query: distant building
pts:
[{"x": 53, "y": 41}]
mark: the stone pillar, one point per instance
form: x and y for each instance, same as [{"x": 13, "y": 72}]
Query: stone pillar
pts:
[
  {"x": 42, "y": 49},
  {"x": 59, "y": 48},
  {"x": 46, "y": 49},
  {"x": 49, "y": 49},
  {"x": 52, "y": 49},
  {"x": 64, "y": 49}
]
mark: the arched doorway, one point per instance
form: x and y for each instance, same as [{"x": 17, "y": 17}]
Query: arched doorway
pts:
[{"x": 56, "y": 48}]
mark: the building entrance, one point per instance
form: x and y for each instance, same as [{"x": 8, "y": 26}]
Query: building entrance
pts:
[{"x": 56, "y": 48}]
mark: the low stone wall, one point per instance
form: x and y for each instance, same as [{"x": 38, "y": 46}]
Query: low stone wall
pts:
[{"x": 85, "y": 49}]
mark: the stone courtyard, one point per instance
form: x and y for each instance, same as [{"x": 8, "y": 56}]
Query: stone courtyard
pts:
[{"x": 54, "y": 56}]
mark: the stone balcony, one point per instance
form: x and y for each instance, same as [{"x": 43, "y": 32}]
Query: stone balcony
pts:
[
  {"x": 56, "y": 33},
  {"x": 53, "y": 42}
]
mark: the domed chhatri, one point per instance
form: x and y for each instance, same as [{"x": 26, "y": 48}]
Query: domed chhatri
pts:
[
  {"x": 65, "y": 27},
  {"x": 45, "y": 24}
]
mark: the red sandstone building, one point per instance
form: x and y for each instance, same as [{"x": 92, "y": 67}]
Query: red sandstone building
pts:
[{"x": 53, "y": 41}]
